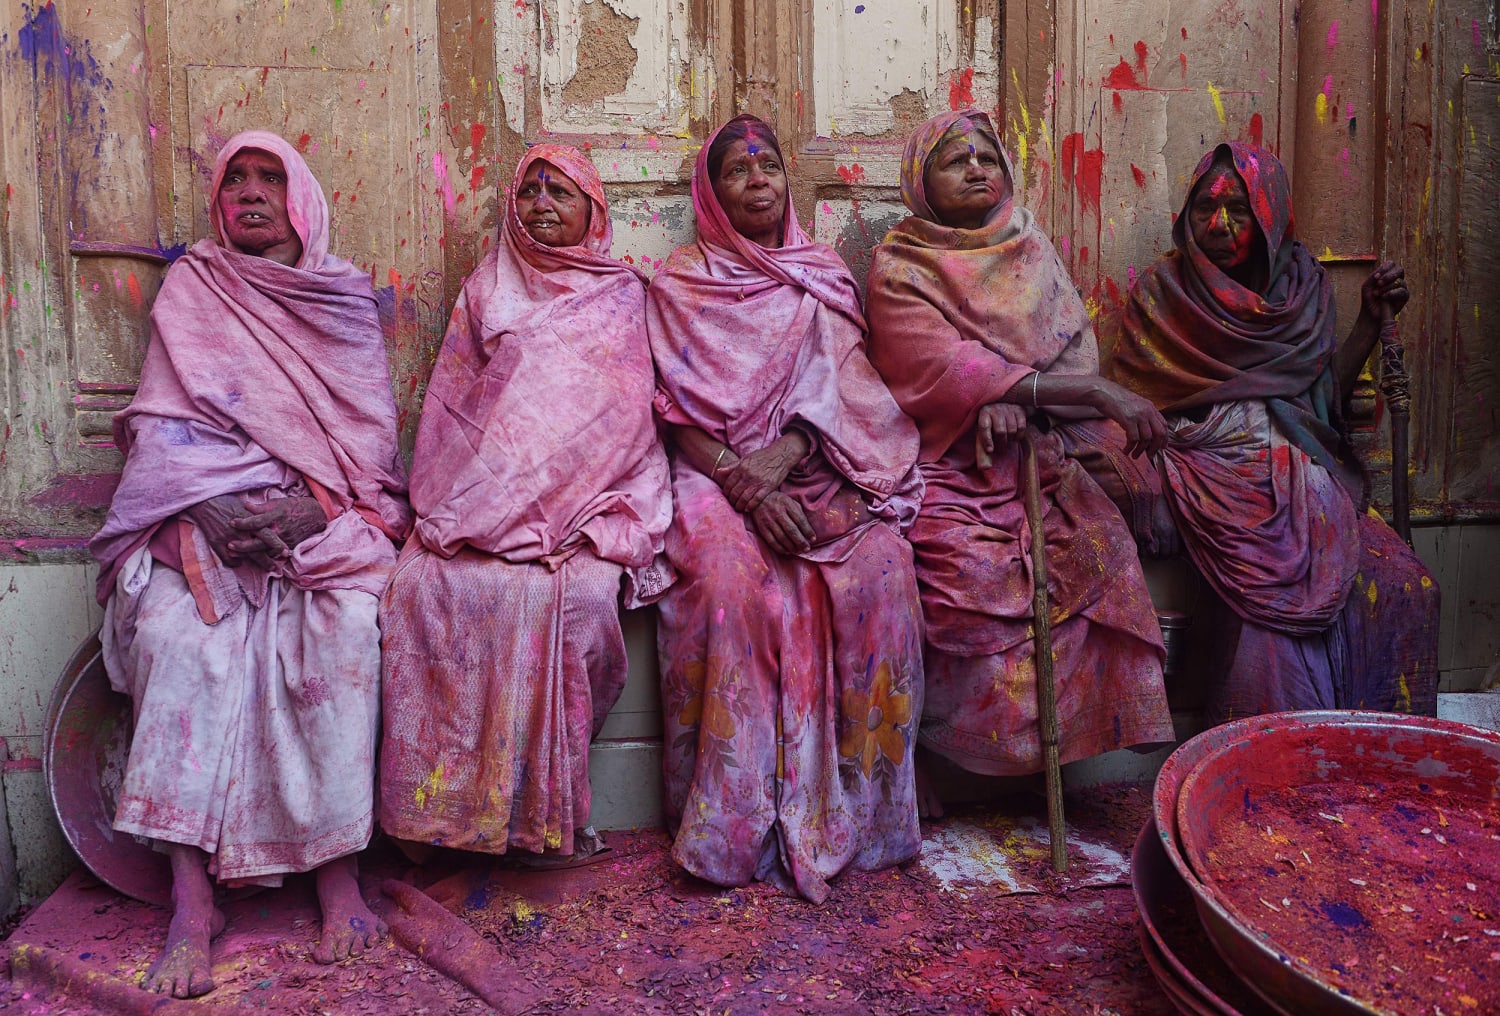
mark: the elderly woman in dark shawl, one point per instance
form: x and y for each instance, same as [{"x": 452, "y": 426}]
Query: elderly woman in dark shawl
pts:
[
  {"x": 976, "y": 326},
  {"x": 1231, "y": 335}
]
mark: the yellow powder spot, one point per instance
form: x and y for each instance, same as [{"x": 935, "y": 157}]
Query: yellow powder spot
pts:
[
  {"x": 1213, "y": 93},
  {"x": 1371, "y": 593},
  {"x": 431, "y": 787},
  {"x": 1327, "y": 252},
  {"x": 1469, "y": 1001},
  {"x": 1320, "y": 108},
  {"x": 1403, "y": 701},
  {"x": 1426, "y": 582},
  {"x": 553, "y": 839},
  {"x": 523, "y": 911}
]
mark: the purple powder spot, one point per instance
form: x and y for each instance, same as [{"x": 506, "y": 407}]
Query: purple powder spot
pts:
[
  {"x": 1343, "y": 915},
  {"x": 859, "y": 8}
]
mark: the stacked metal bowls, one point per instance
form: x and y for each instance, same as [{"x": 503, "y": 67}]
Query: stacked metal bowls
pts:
[{"x": 1306, "y": 905}]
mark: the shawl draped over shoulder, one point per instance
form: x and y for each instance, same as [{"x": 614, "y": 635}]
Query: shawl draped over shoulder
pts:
[
  {"x": 1189, "y": 336},
  {"x": 537, "y": 436},
  {"x": 259, "y": 375},
  {"x": 750, "y": 341},
  {"x": 969, "y": 312}
]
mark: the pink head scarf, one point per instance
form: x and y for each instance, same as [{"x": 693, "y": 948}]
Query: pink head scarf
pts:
[
  {"x": 260, "y": 375},
  {"x": 305, "y": 204},
  {"x": 537, "y": 436},
  {"x": 959, "y": 316},
  {"x": 749, "y": 340}
]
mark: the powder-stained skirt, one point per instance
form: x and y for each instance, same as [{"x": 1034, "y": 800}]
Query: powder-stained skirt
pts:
[
  {"x": 496, "y": 677},
  {"x": 254, "y": 737}
]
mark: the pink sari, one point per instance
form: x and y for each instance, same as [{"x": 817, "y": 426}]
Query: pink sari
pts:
[
  {"x": 538, "y": 482},
  {"x": 790, "y": 685},
  {"x": 958, "y": 317},
  {"x": 255, "y": 690}
]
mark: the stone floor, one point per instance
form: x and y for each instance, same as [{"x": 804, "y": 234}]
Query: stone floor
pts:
[{"x": 979, "y": 924}]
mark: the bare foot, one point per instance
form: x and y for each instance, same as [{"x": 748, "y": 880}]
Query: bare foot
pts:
[
  {"x": 928, "y": 804},
  {"x": 349, "y": 927},
  {"x": 185, "y": 969}
]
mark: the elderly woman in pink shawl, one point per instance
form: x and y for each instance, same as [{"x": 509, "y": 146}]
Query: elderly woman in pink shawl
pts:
[
  {"x": 539, "y": 486},
  {"x": 978, "y": 330},
  {"x": 242, "y": 560},
  {"x": 791, "y": 645}
]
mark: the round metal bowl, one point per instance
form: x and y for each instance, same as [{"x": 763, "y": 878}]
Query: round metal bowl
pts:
[
  {"x": 84, "y": 750},
  {"x": 1191, "y": 973},
  {"x": 1237, "y": 814}
]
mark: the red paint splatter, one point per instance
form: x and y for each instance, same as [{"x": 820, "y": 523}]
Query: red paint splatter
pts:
[
  {"x": 1182, "y": 59},
  {"x": 303, "y": 142},
  {"x": 1140, "y": 178},
  {"x": 1085, "y": 167},
  {"x": 133, "y": 287},
  {"x": 853, "y": 174},
  {"x": 1112, "y": 291},
  {"x": 1122, "y": 78},
  {"x": 476, "y": 178},
  {"x": 961, "y": 89},
  {"x": 335, "y": 197},
  {"x": 1184, "y": 31},
  {"x": 395, "y": 278},
  {"x": 1115, "y": 98},
  {"x": 476, "y": 139},
  {"x": 1257, "y": 130},
  {"x": 1140, "y": 57}
]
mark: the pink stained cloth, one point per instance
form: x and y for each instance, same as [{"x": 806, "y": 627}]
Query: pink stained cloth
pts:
[
  {"x": 772, "y": 666},
  {"x": 256, "y": 693},
  {"x": 259, "y": 376},
  {"x": 957, "y": 318},
  {"x": 538, "y": 481},
  {"x": 537, "y": 436}
]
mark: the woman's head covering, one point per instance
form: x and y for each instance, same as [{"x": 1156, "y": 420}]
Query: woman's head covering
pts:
[
  {"x": 1189, "y": 335},
  {"x": 305, "y": 204},
  {"x": 927, "y": 138},
  {"x": 1270, "y": 194},
  {"x": 751, "y": 340},
  {"x": 959, "y": 316},
  {"x": 537, "y": 437},
  {"x": 580, "y": 169}
]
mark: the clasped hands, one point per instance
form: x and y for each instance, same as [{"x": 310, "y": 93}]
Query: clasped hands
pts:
[
  {"x": 1145, "y": 429},
  {"x": 753, "y": 486},
  {"x": 257, "y": 532}
]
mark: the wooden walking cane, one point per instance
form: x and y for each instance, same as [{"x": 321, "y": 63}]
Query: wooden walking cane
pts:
[
  {"x": 1395, "y": 385},
  {"x": 1046, "y": 691}
]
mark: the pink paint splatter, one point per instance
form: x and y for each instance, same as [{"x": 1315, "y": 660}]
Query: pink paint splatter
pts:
[
  {"x": 1375, "y": 11},
  {"x": 961, "y": 89},
  {"x": 445, "y": 187},
  {"x": 1333, "y": 33},
  {"x": 1477, "y": 43}
]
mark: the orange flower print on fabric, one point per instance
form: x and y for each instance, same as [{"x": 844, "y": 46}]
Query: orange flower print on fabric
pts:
[
  {"x": 873, "y": 722},
  {"x": 704, "y": 708}
]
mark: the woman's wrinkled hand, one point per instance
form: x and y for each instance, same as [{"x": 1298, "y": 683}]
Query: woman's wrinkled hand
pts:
[
  {"x": 782, "y": 523},
  {"x": 275, "y": 527},
  {"x": 1384, "y": 293},
  {"x": 998, "y": 422},
  {"x": 215, "y": 519},
  {"x": 755, "y": 477},
  {"x": 1145, "y": 429}
]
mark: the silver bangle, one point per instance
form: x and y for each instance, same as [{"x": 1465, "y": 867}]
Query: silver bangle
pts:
[{"x": 1034, "y": 376}]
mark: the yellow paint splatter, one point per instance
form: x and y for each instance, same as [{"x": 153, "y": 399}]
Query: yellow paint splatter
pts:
[
  {"x": 1403, "y": 703},
  {"x": 1021, "y": 150},
  {"x": 1320, "y": 108},
  {"x": 1213, "y": 93},
  {"x": 1426, "y": 582},
  {"x": 1327, "y": 252},
  {"x": 432, "y": 786},
  {"x": 1371, "y": 592}
]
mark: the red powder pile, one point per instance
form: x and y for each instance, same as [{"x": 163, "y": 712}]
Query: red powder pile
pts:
[{"x": 1391, "y": 893}]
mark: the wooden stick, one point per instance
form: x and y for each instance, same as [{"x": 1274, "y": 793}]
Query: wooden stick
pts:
[
  {"x": 1395, "y": 386},
  {"x": 1046, "y": 690}
]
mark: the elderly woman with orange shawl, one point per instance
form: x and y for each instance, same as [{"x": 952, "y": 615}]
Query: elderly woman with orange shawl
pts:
[
  {"x": 539, "y": 485},
  {"x": 1232, "y": 336},
  {"x": 791, "y": 645},
  {"x": 243, "y": 556},
  {"x": 975, "y": 326}
]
